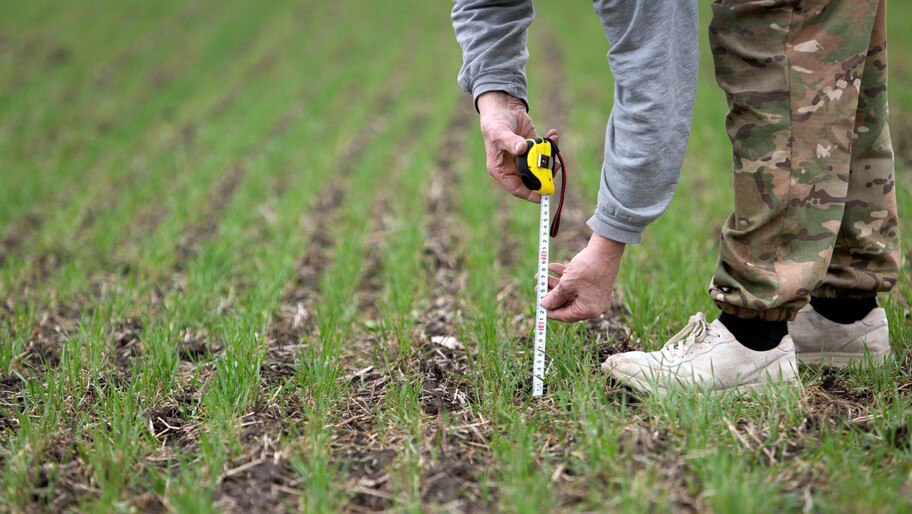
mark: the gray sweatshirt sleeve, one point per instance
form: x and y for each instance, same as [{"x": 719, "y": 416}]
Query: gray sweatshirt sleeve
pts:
[
  {"x": 654, "y": 62},
  {"x": 493, "y": 39}
]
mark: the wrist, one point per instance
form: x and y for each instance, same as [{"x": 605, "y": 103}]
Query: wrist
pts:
[
  {"x": 498, "y": 99},
  {"x": 608, "y": 248}
]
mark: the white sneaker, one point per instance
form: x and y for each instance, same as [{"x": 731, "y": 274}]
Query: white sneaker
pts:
[
  {"x": 705, "y": 356},
  {"x": 821, "y": 341}
]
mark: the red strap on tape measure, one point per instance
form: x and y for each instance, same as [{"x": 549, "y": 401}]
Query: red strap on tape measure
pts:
[{"x": 555, "y": 223}]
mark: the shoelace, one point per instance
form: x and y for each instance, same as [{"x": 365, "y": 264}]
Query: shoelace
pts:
[{"x": 695, "y": 332}]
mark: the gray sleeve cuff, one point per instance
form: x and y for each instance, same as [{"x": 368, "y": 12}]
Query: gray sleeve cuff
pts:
[
  {"x": 614, "y": 229},
  {"x": 498, "y": 80}
]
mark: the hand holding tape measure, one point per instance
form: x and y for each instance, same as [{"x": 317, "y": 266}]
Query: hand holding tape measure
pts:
[{"x": 536, "y": 170}]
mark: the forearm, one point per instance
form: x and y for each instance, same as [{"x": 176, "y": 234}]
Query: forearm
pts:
[
  {"x": 493, "y": 40},
  {"x": 654, "y": 60}
]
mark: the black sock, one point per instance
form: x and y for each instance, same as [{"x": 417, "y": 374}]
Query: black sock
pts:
[
  {"x": 844, "y": 310},
  {"x": 755, "y": 334}
]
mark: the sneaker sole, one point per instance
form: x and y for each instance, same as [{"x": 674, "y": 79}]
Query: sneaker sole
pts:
[
  {"x": 844, "y": 359},
  {"x": 641, "y": 384}
]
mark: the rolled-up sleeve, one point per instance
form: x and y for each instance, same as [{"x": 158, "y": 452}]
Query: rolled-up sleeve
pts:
[
  {"x": 492, "y": 35},
  {"x": 654, "y": 60}
]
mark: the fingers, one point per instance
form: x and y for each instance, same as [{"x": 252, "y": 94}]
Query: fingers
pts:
[
  {"x": 577, "y": 309},
  {"x": 514, "y": 185},
  {"x": 502, "y": 166},
  {"x": 572, "y": 311},
  {"x": 560, "y": 315},
  {"x": 553, "y": 282},
  {"x": 558, "y": 296},
  {"x": 566, "y": 314}
]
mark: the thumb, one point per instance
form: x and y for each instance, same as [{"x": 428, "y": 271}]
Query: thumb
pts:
[
  {"x": 518, "y": 145},
  {"x": 557, "y": 297}
]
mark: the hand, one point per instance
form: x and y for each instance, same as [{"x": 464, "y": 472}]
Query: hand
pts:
[
  {"x": 583, "y": 289},
  {"x": 505, "y": 126}
]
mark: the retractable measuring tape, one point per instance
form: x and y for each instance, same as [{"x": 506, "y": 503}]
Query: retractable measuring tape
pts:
[{"x": 536, "y": 170}]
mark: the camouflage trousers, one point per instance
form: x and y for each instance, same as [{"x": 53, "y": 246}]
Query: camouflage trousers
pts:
[{"x": 815, "y": 206}]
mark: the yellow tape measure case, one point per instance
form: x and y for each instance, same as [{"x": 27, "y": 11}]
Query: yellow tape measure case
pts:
[{"x": 536, "y": 166}]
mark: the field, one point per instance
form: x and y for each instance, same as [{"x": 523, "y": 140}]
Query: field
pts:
[{"x": 251, "y": 260}]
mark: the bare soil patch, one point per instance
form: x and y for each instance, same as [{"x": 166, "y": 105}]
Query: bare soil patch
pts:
[
  {"x": 47, "y": 336},
  {"x": 262, "y": 480},
  {"x": 196, "y": 346},
  {"x": 127, "y": 336},
  {"x": 174, "y": 423},
  {"x": 17, "y": 234}
]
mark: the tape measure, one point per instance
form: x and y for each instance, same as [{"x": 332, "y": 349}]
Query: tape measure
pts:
[{"x": 536, "y": 170}]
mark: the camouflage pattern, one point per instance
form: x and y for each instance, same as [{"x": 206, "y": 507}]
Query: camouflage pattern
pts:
[{"x": 815, "y": 206}]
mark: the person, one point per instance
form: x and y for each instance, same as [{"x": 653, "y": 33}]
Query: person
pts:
[{"x": 813, "y": 237}]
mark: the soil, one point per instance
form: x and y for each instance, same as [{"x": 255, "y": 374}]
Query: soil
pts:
[
  {"x": 367, "y": 455},
  {"x": 46, "y": 338},
  {"x": 127, "y": 336},
  {"x": 17, "y": 234},
  {"x": 205, "y": 227},
  {"x": 262, "y": 479},
  {"x": 194, "y": 347}
]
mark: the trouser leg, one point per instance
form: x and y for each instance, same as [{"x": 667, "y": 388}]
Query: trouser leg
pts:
[
  {"x": 791, "y": 70},
  {"x": 866, "y": 257}
]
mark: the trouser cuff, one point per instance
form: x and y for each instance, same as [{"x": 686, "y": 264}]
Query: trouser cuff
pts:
[
  {"x": 777, "y": 314},
  {"x": 849, "y": 294}
]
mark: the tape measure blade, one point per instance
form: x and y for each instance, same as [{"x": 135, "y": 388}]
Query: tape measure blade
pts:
[{"x": 541, "y": 315}]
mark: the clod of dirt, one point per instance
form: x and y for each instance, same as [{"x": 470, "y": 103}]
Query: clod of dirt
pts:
[
  {"x": 449, "y": 479},
  {"x": 47, "y": 337},
  {"x": 192, "y": 347},
  {"x": 127, "y": 344},
  {"x": 440, "y": 322},
  {"x": 276, "y": 372},
  {"x": 833, "y": 403},
  {"x": 166, "y": 421},
  {"x": 259, "y": 482},
  {"x": 367, "y": 469},
  {"x": 608, "y": 334},
  {"x": 836, "y": 386},
  {"x": 441, "y": 396}
]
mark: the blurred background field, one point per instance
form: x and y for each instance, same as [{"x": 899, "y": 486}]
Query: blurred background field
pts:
[{"x": 251, "y": 260}]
